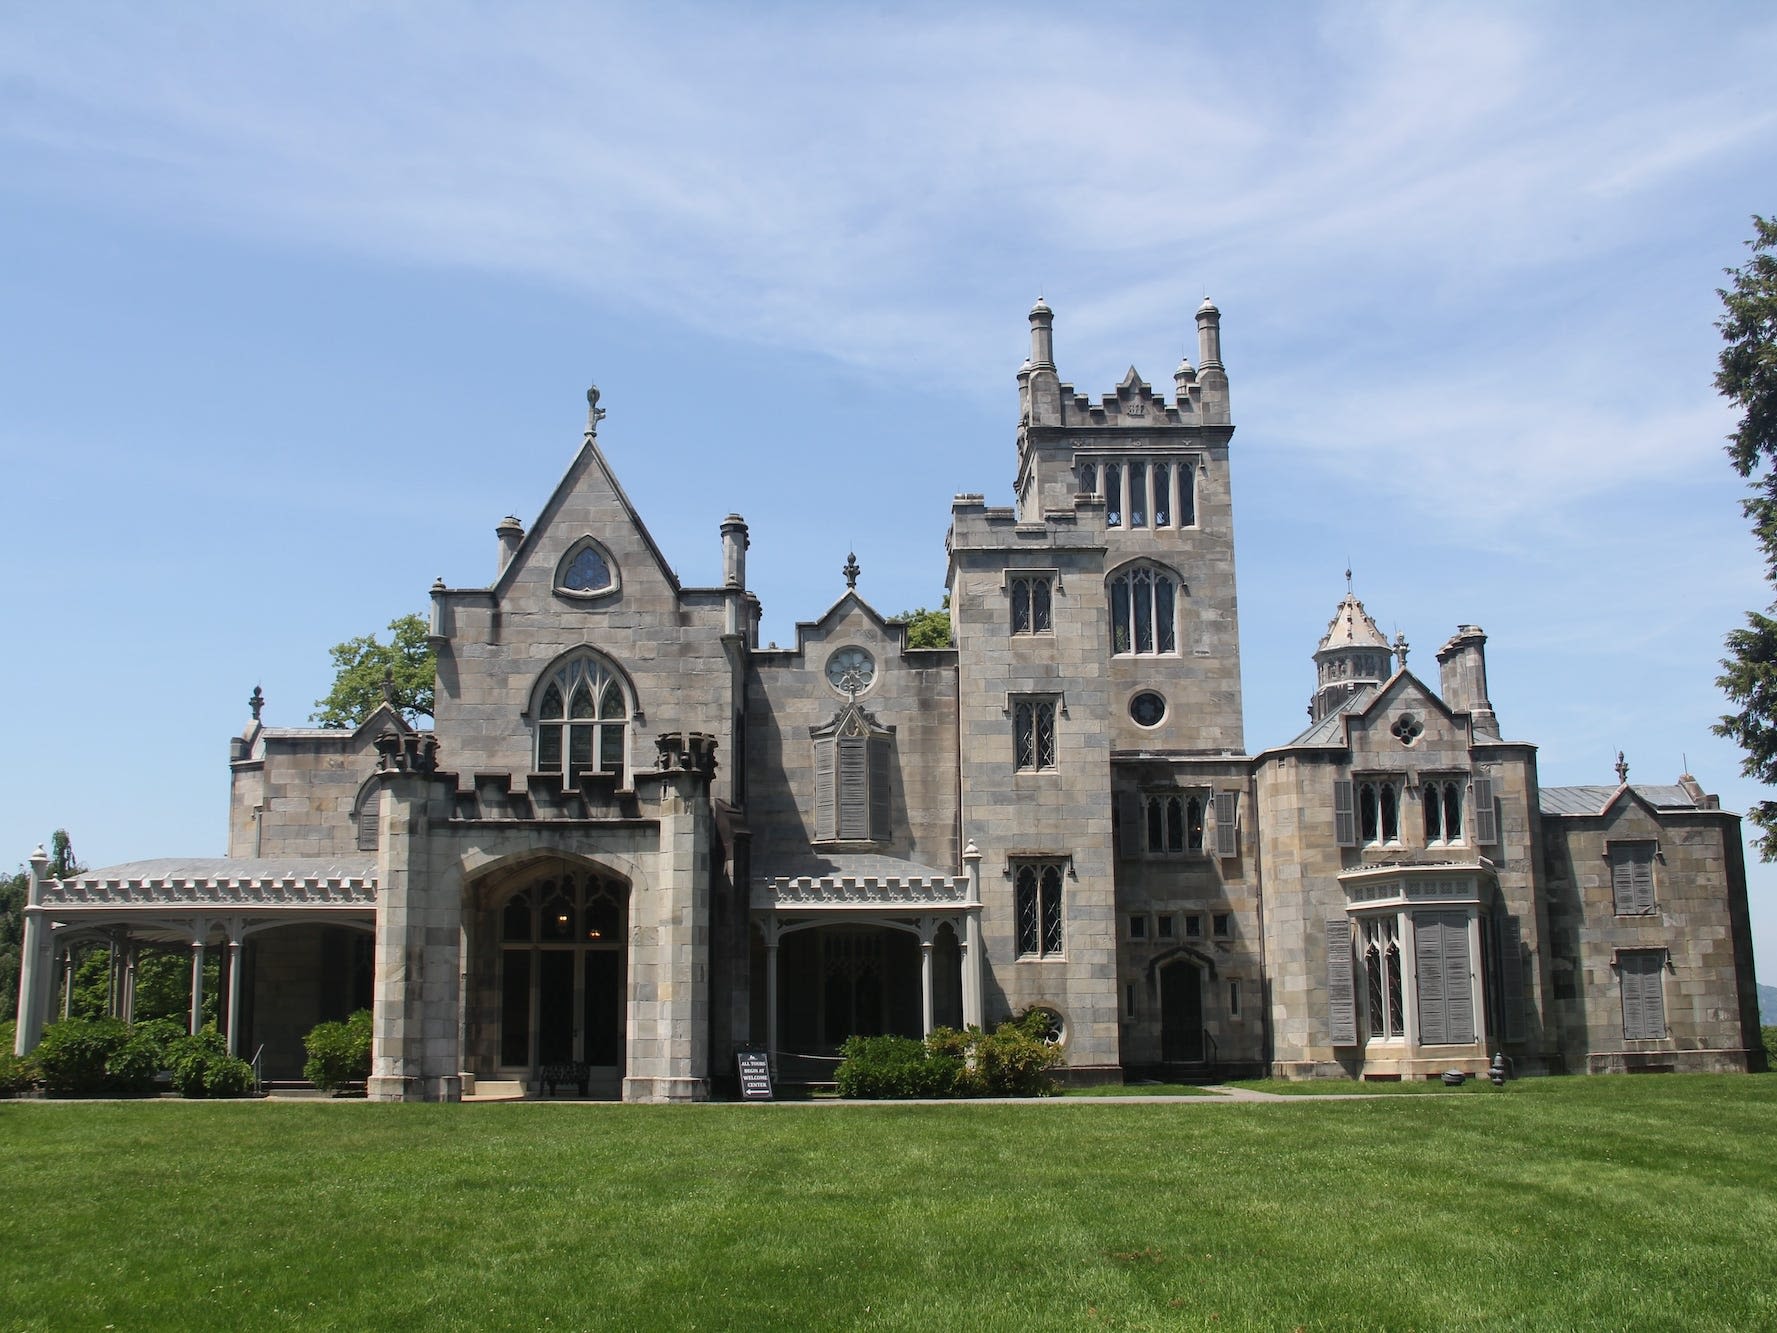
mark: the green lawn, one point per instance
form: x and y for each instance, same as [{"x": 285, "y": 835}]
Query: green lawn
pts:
[{"x": 1603, "y": 1203}]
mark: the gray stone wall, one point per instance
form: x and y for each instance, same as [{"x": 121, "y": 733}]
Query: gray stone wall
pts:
[{"x": 294, "y": 793}]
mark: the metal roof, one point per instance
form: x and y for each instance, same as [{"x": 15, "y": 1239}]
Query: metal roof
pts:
[{"x": 1593, "y": 800}]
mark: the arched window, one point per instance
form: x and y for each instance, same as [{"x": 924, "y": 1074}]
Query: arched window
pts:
[
  {"x": 586, "y": 570},
  {"x": 582, "y": 720},
  {"x": 1144, "y": 616}
]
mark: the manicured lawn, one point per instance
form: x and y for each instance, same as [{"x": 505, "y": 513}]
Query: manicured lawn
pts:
[
  {"x": 1344, "y": 1087},
  {"x": 1139, "y": 1090},
  {"x": 1603, "y": 1203}
]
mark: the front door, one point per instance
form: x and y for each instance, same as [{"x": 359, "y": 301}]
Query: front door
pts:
[{"x": 1181, "y": 1013}]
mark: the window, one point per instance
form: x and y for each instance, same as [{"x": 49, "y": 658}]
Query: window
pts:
[
  {"x": 1378, "y": 810},
  {"x": 1234, "y": 999},
  {"x": 1138, "y": 927},
  {"x": 1164, "y": 926},
  {"x": 1193, "y": 927},
  {"x": 1139, "y": 493},
  {"x": 1387, "y": 1009},
  {"x": 1174, "y": 823},
  {"x": 1148, "y": 709},
  {"x": 1640, "y": 974},
  {"x": 1222, "y": 925},
  {"x": 1033, "y": 734},
  {"x": 1443, "y": 811},
  {"x": 1143, "y": 618},
  {"x": 582, "y": 720},
  {"x": 1032, "y": 604},
  {"x": 586, "y": 570},
  {"x": 1632, "y": 877},
  {"x": 1129, "y": 999},
  {"x": 1038, "y": 893},
  {"x": 853, "y": 778}
]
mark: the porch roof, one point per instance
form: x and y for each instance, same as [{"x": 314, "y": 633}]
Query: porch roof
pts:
[{"x": 221, "y": 881}]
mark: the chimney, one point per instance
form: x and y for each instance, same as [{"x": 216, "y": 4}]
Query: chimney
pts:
[
  {"x": 1462, "y": 666},
  {"x": 511, "y": 533}
]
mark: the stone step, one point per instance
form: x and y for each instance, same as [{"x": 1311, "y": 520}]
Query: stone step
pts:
[{"x": 494, "y": 1090}]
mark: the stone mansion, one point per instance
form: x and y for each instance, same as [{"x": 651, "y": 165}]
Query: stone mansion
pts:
[{"x": 636, "y": 842}]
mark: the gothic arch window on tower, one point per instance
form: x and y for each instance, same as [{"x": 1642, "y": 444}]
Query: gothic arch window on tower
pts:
[
  {"x": 1144, "y": 492},
  {"x": 582, "y": 718},
  {"x": 1144, "y": 610}
]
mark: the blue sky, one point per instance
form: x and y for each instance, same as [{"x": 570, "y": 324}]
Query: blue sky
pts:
[{"x": 300, "y": 300}]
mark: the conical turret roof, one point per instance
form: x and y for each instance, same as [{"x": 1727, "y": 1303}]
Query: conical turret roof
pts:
[{"x": 1351, "y": 627}]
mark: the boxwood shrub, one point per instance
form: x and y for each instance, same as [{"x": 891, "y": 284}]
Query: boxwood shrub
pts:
[
  {"x": 339, "y": 1053},
  {"x": 1013, "y": 1060},
  {"x": 202, "y": 1066}
]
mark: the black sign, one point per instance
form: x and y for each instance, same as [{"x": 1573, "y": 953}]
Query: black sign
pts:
[{"x": 755, "y": 1076}]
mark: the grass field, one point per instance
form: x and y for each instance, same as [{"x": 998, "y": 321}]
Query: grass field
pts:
[{"x": 1602, "y": 1203}]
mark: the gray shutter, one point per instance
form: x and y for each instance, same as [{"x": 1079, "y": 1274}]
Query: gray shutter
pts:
[
  {"x": 1641, "y": 879},
  {"x": 369, "y": 822},
  {"x": 1629, "y": 983},
  {"x": 854, "y": 794},
  {"x": 1341, "y": 992},
  {"x": 1459, "y": 980},
  {"x": 1428, "y": 959},
  {"x": 826, "y": 810},
  {"x": 1130, "y": 825},
  {"x": 881, "y": 809},
  {"x": 1227, "y": 831},
  {"x": 1622, "y": 879},
  {"x": 1511, "y": 977},
  {"x": 1644, "y": 1001},
  {"x": 1486, "y": 823},
  {"x": 1344, "y": 813}
]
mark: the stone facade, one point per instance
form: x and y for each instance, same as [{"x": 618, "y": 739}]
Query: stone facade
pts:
[{"x": 636, "y": 842}]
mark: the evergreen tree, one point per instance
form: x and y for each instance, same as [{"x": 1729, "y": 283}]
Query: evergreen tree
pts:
[{"x": 1747, "y": 378}]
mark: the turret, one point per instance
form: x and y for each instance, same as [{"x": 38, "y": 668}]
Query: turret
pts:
[
  {"x": 1209, "y": 361},
  {"x": 1039, "y": 388},
  {"x": 1462, "y": 667},
  {"x": 511, "y": 533},
  {"x": 1352, "y": 653}
]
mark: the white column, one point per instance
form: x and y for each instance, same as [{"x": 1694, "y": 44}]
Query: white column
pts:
[
  {"x": 971, "y": 941},
  {"x": 36, "y": 962},
  {"x": 113, "y": 979},
  {"x": 67, "y": 982},
  {"x": 925, "y": 976},
  {"x": 771, "y": 994},
  {"x": 128, "y": 1013},
  {"x": 197, "y": 985},
  {"x": 233, "y": 963}
]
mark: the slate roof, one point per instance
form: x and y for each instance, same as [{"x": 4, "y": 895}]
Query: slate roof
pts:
[
  {"x": 1352, "y": 627},
  {"x": 1330, "y": 730},
  {"x": 1593, "y": 800},
  {"x": 236, "y": 868}
]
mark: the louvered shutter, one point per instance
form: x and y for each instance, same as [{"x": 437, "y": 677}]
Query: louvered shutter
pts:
[
  {"x": 1486, "y": 822},
  {"x": 1511, "y": 977},
  {"x": 1341, "y": 992},
  {"x": 1428, "y": 958},
  {"x": 1227, "y": 831},
  {"x": 880, "y": 809},
  {"x": 1644, "y": 1002},
  {"x": 1622, "y": 879},
  {"x": 854, "y": 794},
  {"x": 369, "y": 822},
  {"x": 1129, "y": 824},
  {"x": 826, "y": 810},
  {"x": 1641, "y": 879},
  {"x": 1629, "y": 983},
  {"x": 1459, "y": 980},
  {"x": 1344, "y": 813}
]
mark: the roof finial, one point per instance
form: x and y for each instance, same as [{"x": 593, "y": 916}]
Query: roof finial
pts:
[
  {"x": 851, "y": 571},
  {"x": 256, "y": 701},
  {"x": 1622, "y": 770},
  {"x": 389, "y": 686},
  {"x": 1348, "y": 576},
  {"x": 1400, "y": 648},
  {"x": 594, "y": 413}
]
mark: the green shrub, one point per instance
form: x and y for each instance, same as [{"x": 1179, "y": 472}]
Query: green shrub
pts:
[
  {"x": 1770, "y": 1036},
  {"x": 202, "y": 1067},
  {"x": 1012, "y": 1061},
  {"x": 339, "y": 1053},
  {"x": 73, "y": 1055},
  {"x": 17, "y": 1073}
]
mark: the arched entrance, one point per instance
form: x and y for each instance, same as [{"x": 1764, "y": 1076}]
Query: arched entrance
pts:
[
  {"x": 557, "y": 958},
  {"x": 1181, "y": 1012}
]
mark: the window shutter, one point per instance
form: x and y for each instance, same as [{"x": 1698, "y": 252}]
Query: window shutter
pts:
[
  {"x": 826, "y": 810},
  {"x": 1644, "y": 1002},
  {"x": 1344, "y": 813},
  {"x": 1641, "y": 879},
  {"x": 1622, "y": 880},
  {"x": 369, "y": 821},
  {"x": 854, "y": 794},
  {"x": 1227, "y": 832},
  {"x": 1486, "y": 821},
  {"x": 1130, "y": 824},
  {"x": 1428, "y": 957},
  {"x": 1341, "y": 993},
  {"x": 1459, "y": 990},
  {"x": 1511, "y": 977},
  {"x": 881, "y": 811}
]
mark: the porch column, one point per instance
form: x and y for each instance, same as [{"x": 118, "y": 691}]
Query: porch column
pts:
[
  {"x": 197, "y": 986},
  {"x": 67, "y": 982},
  {"x": 232, "y": 961},
  {"x": 971, "y": 943},
  {"x": 113, "y": 979},
  {"x": 36, "y": 963},
  {"x": 771, "y": 993},
  {"x": 130, "y": 953},
  {"x": 925, "y": 976}
]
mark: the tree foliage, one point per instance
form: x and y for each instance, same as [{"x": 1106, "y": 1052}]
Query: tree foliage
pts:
[
  {"x": 1747, "y": 378},
  {"x": 361, "y": 665},
  {"x": 928, "y": 629}
]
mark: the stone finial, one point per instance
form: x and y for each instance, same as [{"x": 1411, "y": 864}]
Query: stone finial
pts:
[
  {"x": 1622, "y": 770},
  {"x": 1400, "y": 649},
  {"x": 594, "y": 413},
  {"x": 851, "y": 571},
  {"x": 389, "y": 686},
  {"x": 256, "y": 702}
]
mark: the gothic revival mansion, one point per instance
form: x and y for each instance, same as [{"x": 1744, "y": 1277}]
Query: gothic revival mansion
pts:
[{"x": 636, "y": 842}]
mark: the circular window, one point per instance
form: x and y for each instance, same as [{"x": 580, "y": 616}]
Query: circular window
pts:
[
  {"x": 850, "y": 670},
  {"x": 1050, "y": 1023},
  {"x": 1147, "y": 708}
]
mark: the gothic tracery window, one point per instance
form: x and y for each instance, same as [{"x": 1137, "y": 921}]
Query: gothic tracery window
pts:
[
  {"x": 1144, "y": 617},
  {"x": 582, "y": 720},
  {"x": 1038, "y": 907}
]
